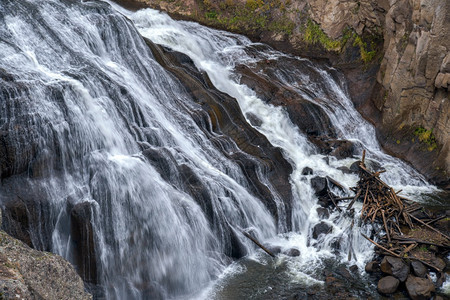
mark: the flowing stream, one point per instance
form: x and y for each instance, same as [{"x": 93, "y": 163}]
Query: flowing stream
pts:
[{"x": 83, "y": 100}]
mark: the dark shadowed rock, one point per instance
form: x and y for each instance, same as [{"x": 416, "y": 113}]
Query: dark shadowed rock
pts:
[
  {"x": 253, "y": 119},
  {"x": 395, "y": 266},
  {"x": 342, "y": 149},
  {"x": 419, "y": 269},
  {"x": 321, "y": 228},
  {"x": 371, "y": 266},
  {"x": 319, "y": 185},
  {"x": 353, "y": 269},
  {"x": 274, "y": 249},
  {"x": 16, "y": 220},
  {"x": 355, "y": 167},
  {"x": 345, "y": 170},
  {"x": 388, "y": 285},
  {"x": 307, "y": 171},
  {"x": 419, "y": 288},
  {"x": 82, "y": 234},
  {"x": 323, "y": 212},
  {"x": 292, "y": 252}
]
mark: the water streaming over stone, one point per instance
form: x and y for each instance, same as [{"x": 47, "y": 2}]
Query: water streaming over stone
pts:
[{"x": 107, "y": 148}]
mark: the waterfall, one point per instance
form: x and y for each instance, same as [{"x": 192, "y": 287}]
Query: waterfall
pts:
[{"x": 106, "y": 145}]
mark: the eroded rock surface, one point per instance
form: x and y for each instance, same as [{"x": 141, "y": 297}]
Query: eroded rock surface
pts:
[
  {"x": 394, "y": 54},
  {"x": 26, "y": 273}
]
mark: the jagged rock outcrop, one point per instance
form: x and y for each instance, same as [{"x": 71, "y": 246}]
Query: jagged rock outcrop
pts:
[
  {"x": 26, "y": 273},
  {"x": 414, "y": 99},
  {"x": 395, "y": 55}
]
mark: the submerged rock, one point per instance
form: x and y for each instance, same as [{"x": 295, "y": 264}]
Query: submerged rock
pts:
[
  {"x": 319, "y": 185},
  {"x": 321, "y": 228},
  {"x": 292, "y": 252}
]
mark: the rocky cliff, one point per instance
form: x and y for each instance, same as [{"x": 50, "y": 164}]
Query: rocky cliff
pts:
[
  {"x": 395, "y": 55},
  {"x": 26, "y": 273}
]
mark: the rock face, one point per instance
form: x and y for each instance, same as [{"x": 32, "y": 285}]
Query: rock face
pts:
[
  {"x": 30, "y": 274},
  {"x": 395, "y": 55},
  {"x": 414, "y": 76}
]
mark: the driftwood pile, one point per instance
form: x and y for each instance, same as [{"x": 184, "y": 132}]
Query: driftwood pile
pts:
[{"x": 398, "y": 215}]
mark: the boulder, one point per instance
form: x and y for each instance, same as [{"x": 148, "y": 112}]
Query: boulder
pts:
[
  {"x": 319, "y": 185},
  {"x": 323, "y": 212},
  {"x": 388, "y": 285},
  {"x": 355, "y": 167},
  {"x": 294, "y": 252},
  {"x": 321, "y": 228},
  {"x": 419, "y": 288},
  {"x": 395, "y": 266},
  {"x": 307, "y": 171},
  {"x": 30, "y": 274},
  {"x": 371, "y": 266},
  {"x": 419, "y": 269}
]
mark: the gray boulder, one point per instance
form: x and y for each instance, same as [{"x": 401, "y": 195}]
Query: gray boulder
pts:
[{"x": 388, "y": 285}]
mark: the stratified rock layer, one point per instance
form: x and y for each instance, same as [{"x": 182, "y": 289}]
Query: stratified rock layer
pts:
[{"x": 401, "y": 87}]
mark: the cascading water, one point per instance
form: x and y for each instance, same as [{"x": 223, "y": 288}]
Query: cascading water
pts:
[{"x": 85, "y": 105}]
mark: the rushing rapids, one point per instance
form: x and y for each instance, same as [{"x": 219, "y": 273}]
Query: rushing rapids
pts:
[{"x": 135, "y": 162}]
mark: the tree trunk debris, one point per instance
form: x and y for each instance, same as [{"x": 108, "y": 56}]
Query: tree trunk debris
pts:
[{"x": 407, "y": 225}]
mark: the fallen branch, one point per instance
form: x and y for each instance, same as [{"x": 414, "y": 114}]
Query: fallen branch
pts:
[{"x": 257, "y": 243}]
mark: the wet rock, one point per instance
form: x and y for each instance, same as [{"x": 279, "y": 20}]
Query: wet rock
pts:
[
  {"x": 336, "y": 244},
  {"x": 274, "y": 249},
  {"x": 342, "y": 149},
  {"x": 419, "y": 288},
  {"x": 345, "y": 170},
  {"x": 354, "y": 168},
  {"x": 253, "y": 119},
  {"x": 307, "y": 171},
  {"x": 342, "y": 270},
  {"x": 353, "y": 268},
  {"x": 82, "y": 234},
  {"x": 371, "y": 266},
  {"x": 395, "y": 266},
  {"x": 323, "y": 212},
  {"x": 16, "y": 220},
  {"x": 293, "y": 252},
  {"x": 419, "y": 269},
  {"x": 321, "y": 228},
  {"x": 388, "y": 285},
  {"x": 30, "y": 274},
  {"x": 319, "y": 185}
]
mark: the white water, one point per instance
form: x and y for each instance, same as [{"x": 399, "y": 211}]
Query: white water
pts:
[
  {"x": 90, "y": 91},
  {"x": 217, "y": 52}
]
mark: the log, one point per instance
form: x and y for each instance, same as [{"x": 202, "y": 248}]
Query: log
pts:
[
  {"x": 432, "y": 228},
  {"x": 257, "y": 243},
  {"x": 381, "y": 247}
]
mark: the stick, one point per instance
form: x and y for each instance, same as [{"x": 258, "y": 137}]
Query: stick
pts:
[
  {"x": 385, "y": 226},
  {"x": 381, "y": 247},
  {"x": 257, "y": 243},
  {"x": 353, "y": 201},
  {"x": 423, "y": 223},
  {"x": 363, "y": 156}
]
